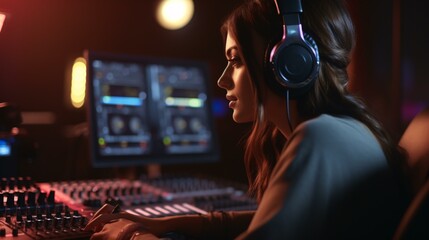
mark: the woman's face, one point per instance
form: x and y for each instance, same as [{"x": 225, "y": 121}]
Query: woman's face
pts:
[{"x": 237, "y": 83}]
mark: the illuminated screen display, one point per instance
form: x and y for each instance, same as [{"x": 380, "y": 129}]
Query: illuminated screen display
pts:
[
  {"x": 5, "y": 148},
  {"x": 145, "y": 110}
]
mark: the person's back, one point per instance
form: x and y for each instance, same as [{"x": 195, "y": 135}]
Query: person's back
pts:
[{"x": 332, "y": 182}]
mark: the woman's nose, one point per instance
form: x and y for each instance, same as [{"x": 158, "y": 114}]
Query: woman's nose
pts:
[{"x": 224, "y": 80}]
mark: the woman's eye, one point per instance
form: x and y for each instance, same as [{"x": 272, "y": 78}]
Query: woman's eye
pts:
[{"x": 235, "y": 61}]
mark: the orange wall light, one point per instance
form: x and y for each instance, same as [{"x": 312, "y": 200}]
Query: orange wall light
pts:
[
  {"x": 2, "y": 19},
  {"x": 78, "y": 82}
]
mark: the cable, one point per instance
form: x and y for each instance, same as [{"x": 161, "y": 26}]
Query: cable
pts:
[{"x": 287, "y": 111}]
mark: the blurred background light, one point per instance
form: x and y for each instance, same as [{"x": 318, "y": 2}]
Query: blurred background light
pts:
[
  {"x": 78, "y": 82},
  {"x": 174, "y": 14},
  {"x": 2, "y": 19}
]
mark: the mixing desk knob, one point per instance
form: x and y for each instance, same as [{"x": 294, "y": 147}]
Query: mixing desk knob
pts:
[
  {"x": 29, "y": 221},
  {"x": 72, "y": 193},
  {"x": 15, "y": 232},
  {"x": 58, "y": 221},
  {"x": 8, "y": 219},
  {"x": 66, "y": 210},
  {"x": 39, "y": 221},
  {"x": 10, "y": 200},
  {"x": 107, "y": 192},
  {"x": 76, "y": 219},
  {"x": 48, "y": 222},
  {"x": 116, "y": 191},
  {"x": 21, "y": 199},
  {"x": 67, "y": 221},
  {"x": 51, "y": 197},
  {"x": 31, "y": 198},
  {"x": 19, "y": 218},
  {"x": 41, "y": 199}
]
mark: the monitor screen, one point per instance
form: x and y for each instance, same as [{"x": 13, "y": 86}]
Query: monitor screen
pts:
[{"x": 145, "y": 110}]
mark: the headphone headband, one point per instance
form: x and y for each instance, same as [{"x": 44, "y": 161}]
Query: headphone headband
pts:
[{"x": 287, "y": 7}]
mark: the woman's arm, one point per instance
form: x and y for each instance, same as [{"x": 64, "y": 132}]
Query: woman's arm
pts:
[
  {"x": 215, "y": 225},
  {"x": 226, "y": 225}
]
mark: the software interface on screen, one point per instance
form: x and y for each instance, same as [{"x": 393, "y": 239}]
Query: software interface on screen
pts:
[{"x": 146, "y": 110}]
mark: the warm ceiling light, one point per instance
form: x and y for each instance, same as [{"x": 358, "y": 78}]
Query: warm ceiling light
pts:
[
  {"x": 174, "y": 14},
  {"x": 78, "y": 82},
  {"x": 2, "y": 19}
]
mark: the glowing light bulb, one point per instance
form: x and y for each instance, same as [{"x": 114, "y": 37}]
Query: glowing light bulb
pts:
[{"x": 175, "y": 14}]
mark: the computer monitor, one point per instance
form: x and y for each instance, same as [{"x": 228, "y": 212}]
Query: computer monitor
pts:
[{"x": 145, "y": 110}]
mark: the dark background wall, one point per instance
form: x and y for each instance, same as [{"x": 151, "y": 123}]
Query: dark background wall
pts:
[{"x": 41, "y": 38}]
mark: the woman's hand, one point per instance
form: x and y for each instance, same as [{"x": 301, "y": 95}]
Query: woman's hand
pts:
[
  {"x": 123, "y": 229},
  {"x": 107, "y": 223},
  {"x": 97, "y": 225}
]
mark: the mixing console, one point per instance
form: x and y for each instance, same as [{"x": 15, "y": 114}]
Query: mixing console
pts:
[
  {"x": 60, "y": 210},
  {"x": 27, "y": 212}
]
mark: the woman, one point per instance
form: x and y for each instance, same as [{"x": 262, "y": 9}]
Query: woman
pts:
[{"x": 320, "y": 166}]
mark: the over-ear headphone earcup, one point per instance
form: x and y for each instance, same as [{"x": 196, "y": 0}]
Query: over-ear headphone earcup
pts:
[{"x": 294, "y": 64}]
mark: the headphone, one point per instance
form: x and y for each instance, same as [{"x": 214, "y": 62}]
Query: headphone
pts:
[{"x": 294, "y": 60}]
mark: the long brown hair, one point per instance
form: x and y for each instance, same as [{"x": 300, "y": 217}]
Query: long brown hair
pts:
[{"x": 330, "y": 25}]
